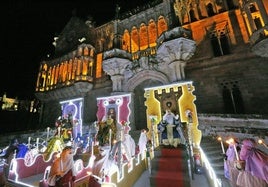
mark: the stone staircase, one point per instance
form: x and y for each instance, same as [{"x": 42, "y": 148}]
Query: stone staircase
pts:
[
  {"x": 170, "y": 168},
  {"x": 212, "y": 150}
]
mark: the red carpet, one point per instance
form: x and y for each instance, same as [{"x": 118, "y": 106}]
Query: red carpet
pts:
[{"x": 170, "y": 169}]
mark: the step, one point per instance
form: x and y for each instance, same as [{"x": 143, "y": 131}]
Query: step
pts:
[
  {"x": 170, "y": 179},
  {"x": 172, "y": 164},
  {"x": 211, "y": 147},
  {"x": 215, "y": 158},
  {"x": 214, "y": 152}
]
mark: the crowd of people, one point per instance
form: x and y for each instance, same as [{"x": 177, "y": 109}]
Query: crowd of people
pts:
[{"x": 246, "y": 165}]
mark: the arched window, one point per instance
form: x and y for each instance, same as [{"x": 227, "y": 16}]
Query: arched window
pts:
[
  {"x": 143, "y": 37},
  {"x": 257, "y": 21},
  {"x": 90, "y": 68},
  {"x": 152, "y": 33},
  {"x": 70, "y": 65},
  {"x": 126, "y": 41},
  {"x": 85, "y": 66},
  {"x": 57, "y": 74},
  {"x": 210, "y": 10},
  {"x": 161, "y": 25},
  {"x": 192, "y": 15},
  {"x": 230, "y": 4},
  {"x": 53, "y": 76},
  {"x": 74, "y": 68},
  {"x": 92, "y": 52},
  {"x": 64, "y": 71},
  {"x": 48, "y": 82},
  {"x": 228, "y": 104},
  {"x": 252, "y": 8},
  {"x": 232, "y": 98},
  {"x": 134, "y": 40},
  {"x": 86, "y": 51},
  {"x": 219, "y": 39},
  {"x": 78, "y": 67},
  {"x": 80, "y": 51},
  {"x": 43, "y": 76}
]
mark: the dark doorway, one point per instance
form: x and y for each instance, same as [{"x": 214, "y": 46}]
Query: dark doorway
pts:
[{"x": 139, "y": 105}]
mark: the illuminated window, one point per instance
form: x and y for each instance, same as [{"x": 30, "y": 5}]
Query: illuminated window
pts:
[
  {"x": 162, "y": 25},
  {"x": 86, "y": 51},
  {"x": 90, "y": 68},
  {"x": 69, "y": 70},
  {"x": 53, "y": 75},
  {"x": 91, "y": 53},
  {"x": 74, "y": 68},
  {"x": 78, "y": 67},
  {"x": 134, "y": 40},
  {"x": 57, "y": 74},
  {"x": 49, "y": 77},
  {"x": 143, "y": 37},
  {"x": 126, "y": 41},
  {"x": 85, "y": 66},
  {"x": 64, "y": 71},
  {"x": 152, "y": 32},
  {"x": 43, "y": 76},
  {"x": 99, "y": 65},
  {"x": 80, "y": 51}
]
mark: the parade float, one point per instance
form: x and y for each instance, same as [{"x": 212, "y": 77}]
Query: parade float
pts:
[
  {"x": 177, "y": 98},
  {"x": 107, "y": 155}
]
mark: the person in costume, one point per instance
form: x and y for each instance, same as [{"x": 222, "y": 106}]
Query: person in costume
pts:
[
  {"x": 104, "y": 165},
  {"x": 142, "y": 143},
  {"x": 230, "y": 171},
  {"x": 8, "y": 154},
  {"x": 171, "y": 129},
  {"x": 105, "y": 126},
  {"x": 62, "y": 169},
  {"x": 255, "y": 171},
  {"x": 128, "y": 141}
]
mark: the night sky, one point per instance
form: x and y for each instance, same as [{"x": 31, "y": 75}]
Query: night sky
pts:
[{"x": 27, "y": 31}]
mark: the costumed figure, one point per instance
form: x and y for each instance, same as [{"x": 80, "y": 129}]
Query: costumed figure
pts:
[
  {"x": 7, "y": 155},
  {"x": 104, "y": 165},
  {"x": 179, "y": 129},
  {"x": 75, "y": 129},
  {"x": 105, "y": 127},
  {"x": 56, "y": 143},
  {"x": 170, "y": 129},
  {"x": 120, "y": 150},
  {"x": 142, "y": 143},
  {"x": 230, "y": 171},
  {"x": 128, "y": 141},
  {"x": 62, "y": 169},
  {"x": 255, "y": 171},
  {"x": 67, "y": 128}
]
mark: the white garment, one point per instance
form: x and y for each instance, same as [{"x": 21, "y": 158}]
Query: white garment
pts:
[
  {"x": 105, "y": 166},
  {"x": 142, "y": 143},
  {"x": 130, "y": 145},
  {"x": 169, "y": 118}
]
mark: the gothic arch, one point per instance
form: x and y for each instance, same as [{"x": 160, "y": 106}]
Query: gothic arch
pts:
[{"x": 142, "y": 76}]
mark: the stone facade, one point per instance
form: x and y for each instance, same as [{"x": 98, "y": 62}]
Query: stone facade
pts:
[{"x": 165, "y": 41}]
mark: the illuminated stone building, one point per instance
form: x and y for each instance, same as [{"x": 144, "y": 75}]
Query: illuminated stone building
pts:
[{"x": 220, "y": 45}]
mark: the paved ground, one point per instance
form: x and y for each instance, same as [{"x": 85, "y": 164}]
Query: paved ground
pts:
[{"x": 200, "y": 180}]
